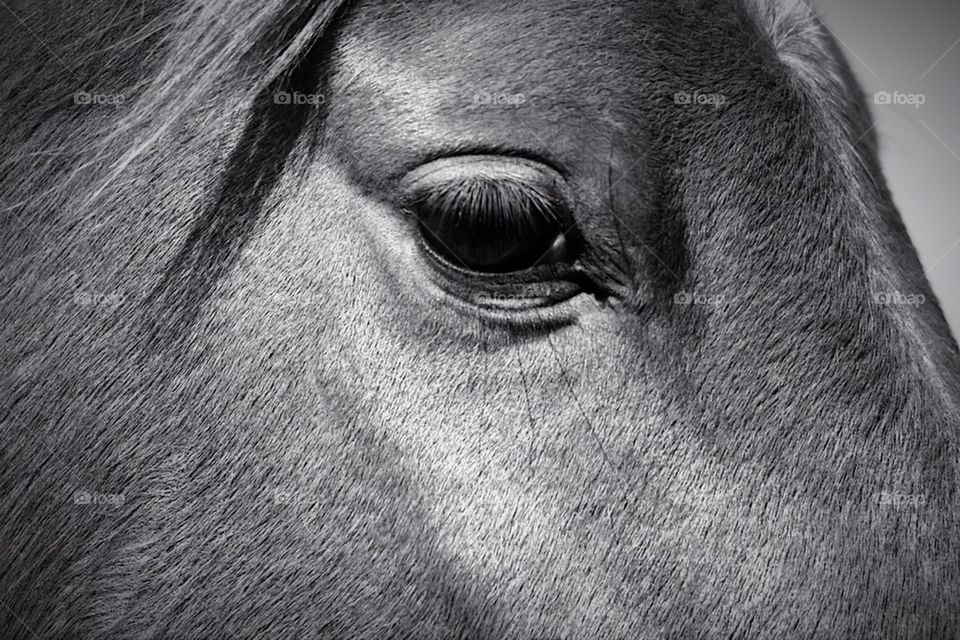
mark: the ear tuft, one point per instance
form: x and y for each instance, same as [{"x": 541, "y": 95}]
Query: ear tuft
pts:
[{"x": 794, "y": 32}]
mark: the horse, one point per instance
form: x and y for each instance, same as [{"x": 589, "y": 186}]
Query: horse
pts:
[{"x": 440, "y": 319}]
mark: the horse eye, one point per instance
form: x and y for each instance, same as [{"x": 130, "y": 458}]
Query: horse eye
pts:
[
  {"x": 492, "y": 240},
  {"x": 493, "y": 223}
]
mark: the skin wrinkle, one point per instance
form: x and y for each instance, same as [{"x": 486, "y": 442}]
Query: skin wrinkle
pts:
[{"x": 333, "y": 450}]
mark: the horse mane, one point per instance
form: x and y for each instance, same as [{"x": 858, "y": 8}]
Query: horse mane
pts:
[
  {"x": 166, "y": 65},
  {"x": 164, "y": 60}
]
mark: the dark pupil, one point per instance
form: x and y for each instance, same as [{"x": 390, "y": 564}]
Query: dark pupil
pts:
[
  {"x": 489, "y": 250},
  {"x": 491, "y": 235}
]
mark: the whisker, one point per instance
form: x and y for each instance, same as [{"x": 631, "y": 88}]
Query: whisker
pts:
[
  {"x": 576, "y": 399},
  {"x": 526, "y": 396}
]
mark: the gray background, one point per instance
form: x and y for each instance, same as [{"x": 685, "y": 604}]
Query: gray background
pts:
[{"x": 913, "y": 46}]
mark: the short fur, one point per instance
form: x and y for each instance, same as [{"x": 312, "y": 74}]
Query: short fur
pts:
[{"x": 214, "y": 326}]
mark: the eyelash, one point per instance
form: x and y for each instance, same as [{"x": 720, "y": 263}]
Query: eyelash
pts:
[{"x": 491, "y": 206}]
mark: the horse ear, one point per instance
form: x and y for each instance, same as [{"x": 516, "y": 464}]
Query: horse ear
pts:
[
  {"x": 793, "y": 30},
  {"x": 803, "y": 43},
  {"x": 781, "y": 19}
]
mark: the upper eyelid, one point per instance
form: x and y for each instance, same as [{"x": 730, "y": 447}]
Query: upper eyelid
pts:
[
  {"x": 463, "y": 192},
  {"x": 448, "y": 170},
  {"x": 542, "y": 158},
  {"x": 529, "y": 193}
]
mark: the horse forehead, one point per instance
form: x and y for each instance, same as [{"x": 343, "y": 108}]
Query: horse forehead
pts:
[
  {"x": 500, "y": 36},
  {"x": 530, "y": 75}
]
